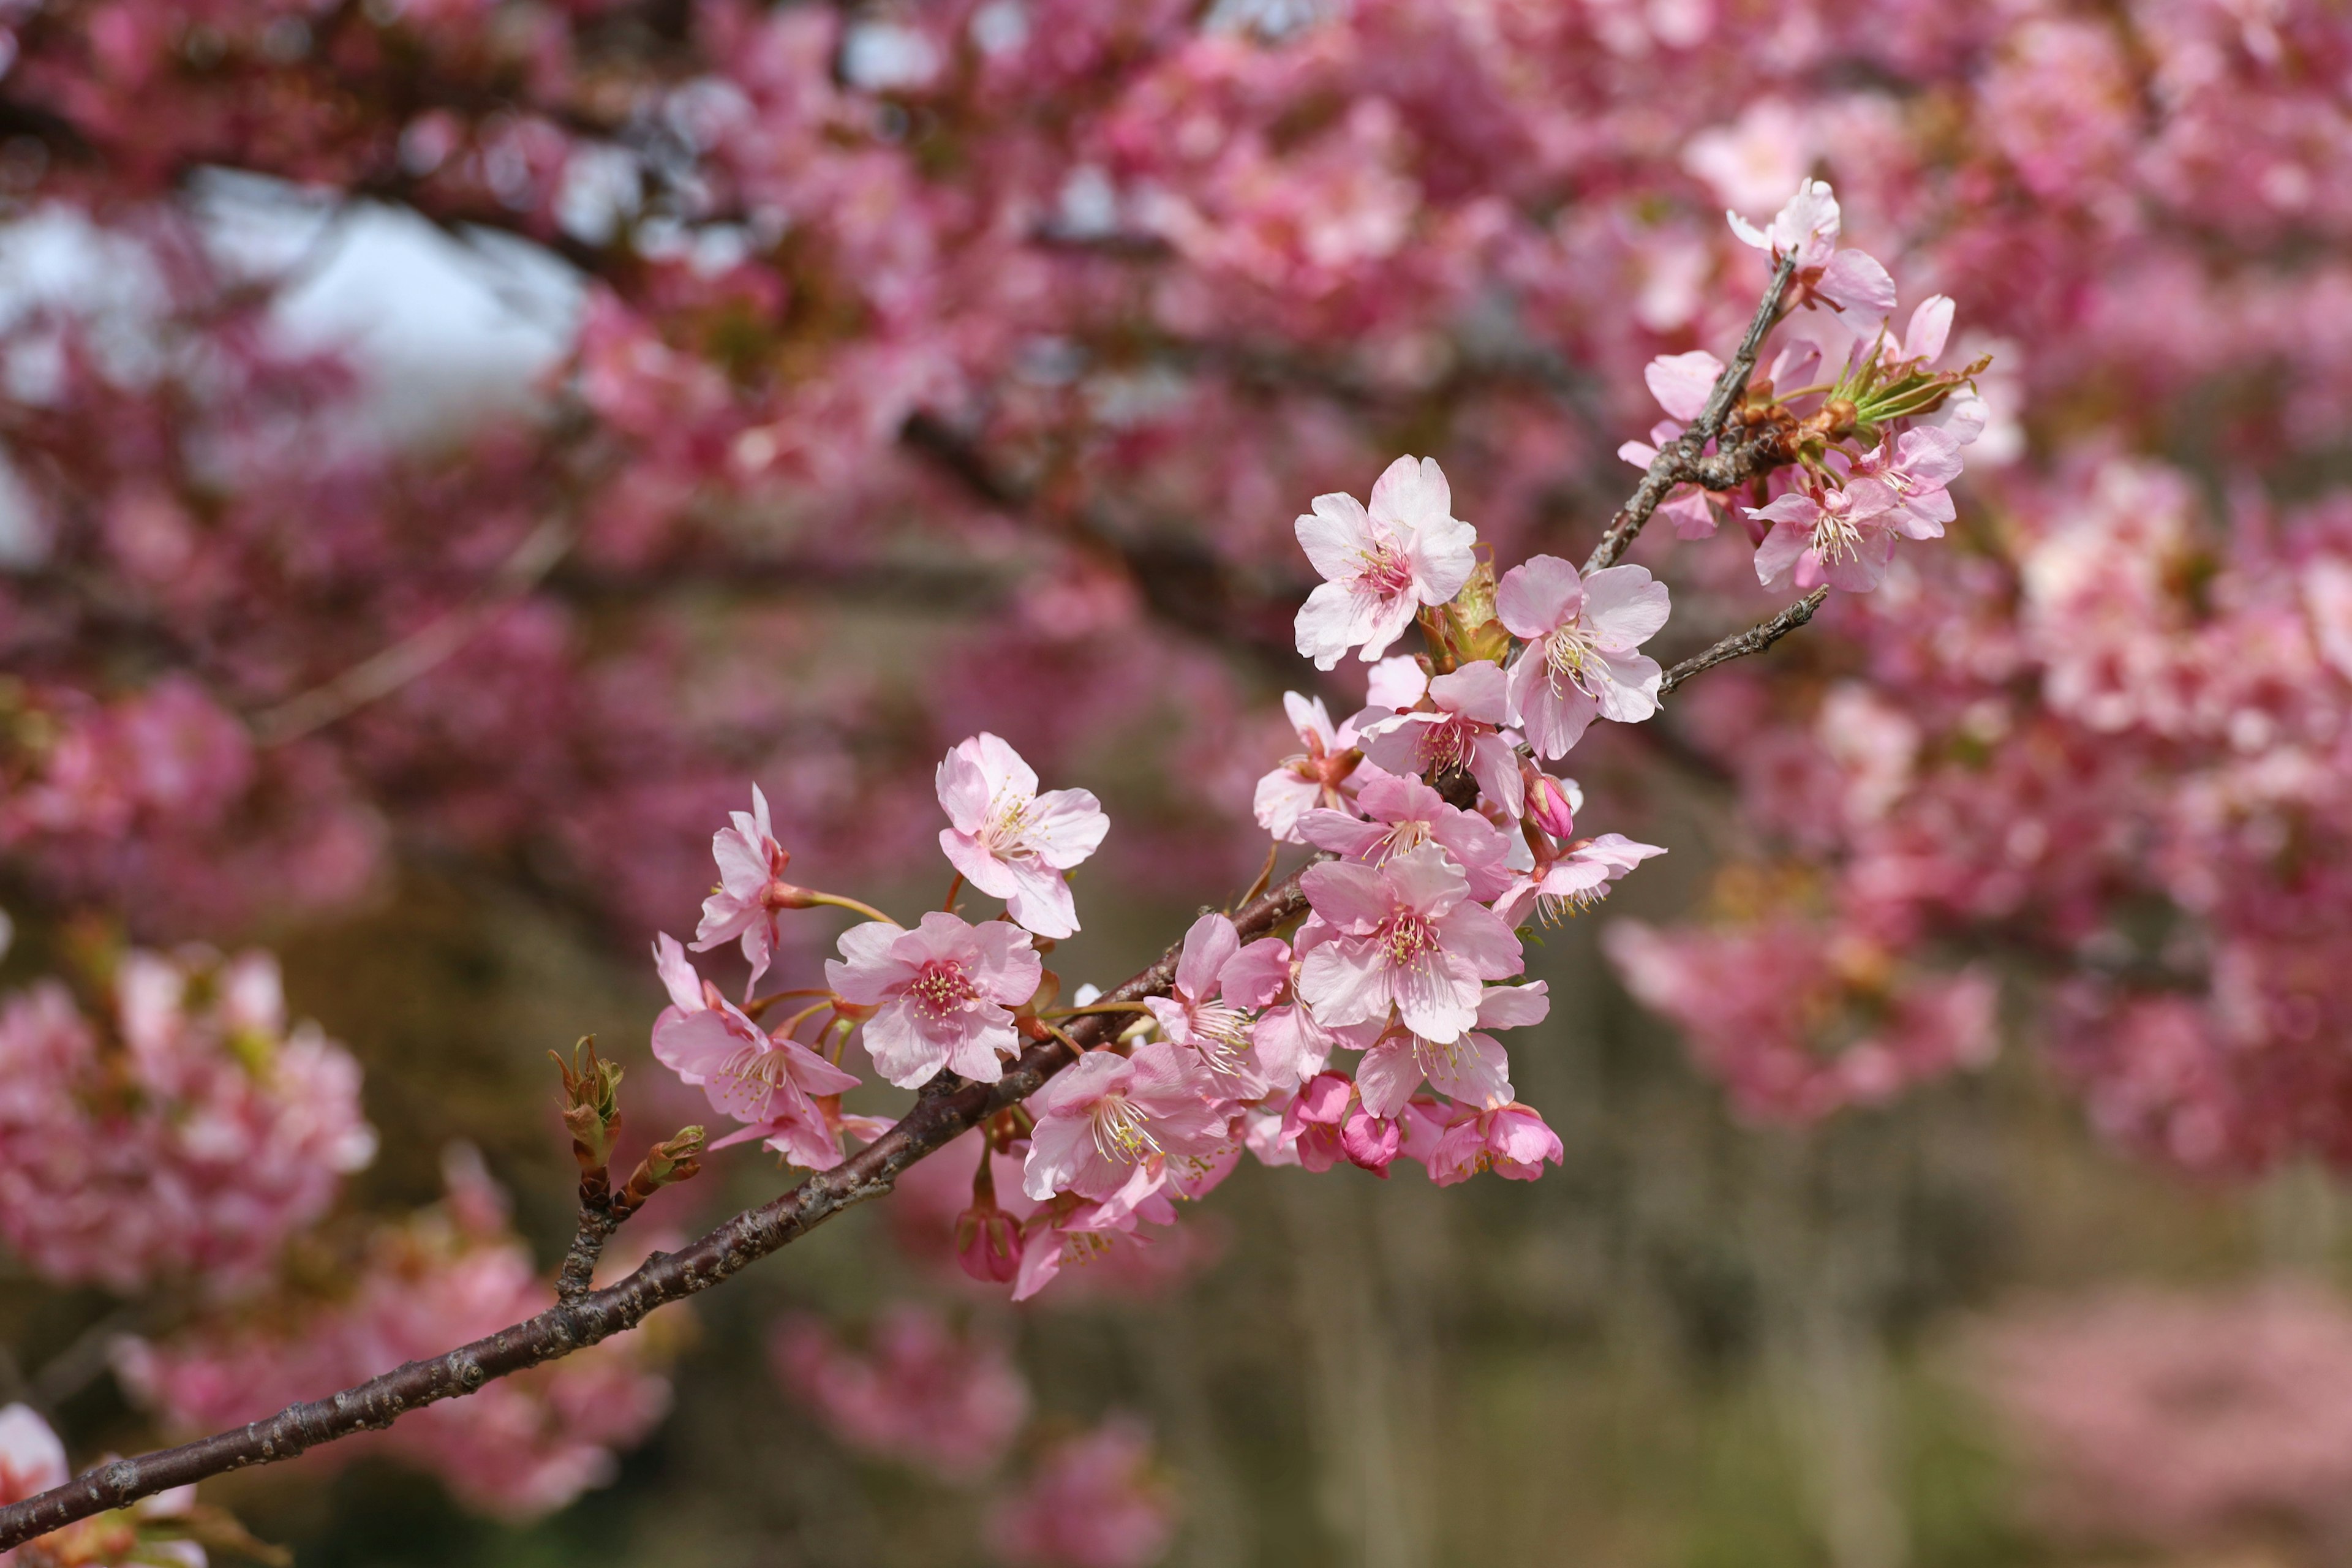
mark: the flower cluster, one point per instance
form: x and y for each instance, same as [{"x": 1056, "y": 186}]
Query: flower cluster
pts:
[
  {"x": 953, "y": 1404},
  {"x": 2187, "y": 1424},
  {"x": 946, "y": 1403},
  {"x": 515, "y": 1448},
  {"x": 183, "y": 1132},
  {"x": 1871, "y": 428}
]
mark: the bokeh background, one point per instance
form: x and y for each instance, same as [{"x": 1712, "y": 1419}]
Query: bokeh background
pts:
[{"x": 453, "y": 448}]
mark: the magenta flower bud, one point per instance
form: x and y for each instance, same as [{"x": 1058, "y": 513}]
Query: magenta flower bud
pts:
[
  {"x": 988, "y": 1244},
  {"x": 1549, "y": 806},
  {"x": 1371, "y": 1142}
]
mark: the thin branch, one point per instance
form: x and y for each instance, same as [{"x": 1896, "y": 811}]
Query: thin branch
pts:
[
  {"x": 1678, "y": 461},
  {"x": 598, "y": 1221},
  {"x": 1755, "y": 639},
  {"x": 422, "y": 651},
  {"x": 947, "y": 1108}
]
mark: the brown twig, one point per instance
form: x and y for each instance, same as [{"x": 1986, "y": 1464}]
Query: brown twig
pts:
[
  {"x": 947, "y": 1108},
  {"x": 1738, "y": 645},
  {"x": 1679, "y": 460}
]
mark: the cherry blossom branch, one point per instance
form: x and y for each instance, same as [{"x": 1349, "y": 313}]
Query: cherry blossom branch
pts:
[
  {"x": 1679, "y": 461},
  {"x": 1755, "y": 639},
  {"x": 945, "y": 1109}
]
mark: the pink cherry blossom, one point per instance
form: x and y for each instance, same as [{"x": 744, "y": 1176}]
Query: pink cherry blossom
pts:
[
  {"x": 1010, "y": 841},
  {"x": 1580, "y": 660},
  {"x": 1381, "y": 565},
  {"x": 1462, "y": 729},
  {"x": 1808, "y": 227},
  {"x": 1102, "y": 1120},
  {"x": 1552, "y": 803},
  {"x": 1317, "y": 777},
  {"x": 1287, "y": 1044},
  {"x": 1401, "y": 815},
  {"x": 942, "y": 994},
  {"x": 1558, "y": 886},
  {"x": 1683, "y": 382},
  {"x": 919, "y": 1392},
  {"x": 1315, "y": 1121},
  {"x": 1092, "y": 1502},
  {"x": 1198, "y": 1016},
  {"x": 1409, "y": 938},
  {"x": 772, "y": 1083},
  {"x": 1473, "y": 1070},
  {"x": 1841, "y": 535},
  {"x": 196, "y": 1147},
  {"x": 752, "y": 888},
  {"x": 1512, "y": 1140},
  {"x": 1916, "y": 465}
]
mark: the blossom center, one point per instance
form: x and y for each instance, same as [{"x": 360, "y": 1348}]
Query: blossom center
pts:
[
  {"x": 941, "y": 988},
  {"x": 1120, "y": 1130},
  {"x": 1010, "y": 818},
  {"x": 1448, "y": 744},
  {"x": 1408, "y": 935},
  {"x": 1835, "y": 537},
  {"x": 1568, "y": 652},
  {"x": 1385, "y": 571}
]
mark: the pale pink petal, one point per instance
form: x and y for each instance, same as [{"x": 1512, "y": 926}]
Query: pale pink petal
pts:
[
  {"x": 1255, "y": 975},
  {"x": 1209, "y": 946},
  {"x": 1683, "y": 382},
  {"x": 678, "y": 975},
  {"x": 1396, "y": 683},
  {"x": 1496, "y": 765},
  {"x": 1539, "y": 594},
  {"x": 1065, "y": 827},
  {"x": 1385, "y": 621},
  {"x": 1345, "y": 983},
  {"x": 1476, "y": 1071},
  {"x": 1333, "y": 620},
  {"x": 1475, "y": 690},
  {"x": 1353, "y": 898},
  {"x": 1443, "y": 556},
  {"x": 1788, "y": 540},
  {"x": 1436, "y": 1002},
  {"x": 1624, "y": 607},
  {"x": 1486, "y": 943},
  {"x": 1514, "y": 1007},
  {"x": 1630, "y": 692},
  {"x": 1411, "y": 495},
  {"x": 1692, "y": 515},
  {"x": 1308, "y": 717},
  {"x": 903, "y": 1053},
  {"x": 1931, "y": 325},
  {"x": 1387, "y": 1075},
  {"x": 985, "y": 870},
  {"x": 1854, "y": 280},
  {"x": 962, "y": 789},
  {"x": 1336, "y": 536},
  {"x": 1422, "y": 879}
]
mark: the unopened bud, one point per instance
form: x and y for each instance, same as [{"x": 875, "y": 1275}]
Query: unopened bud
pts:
[
  {"x": 591, "y": 1103},
  {"x": 672, "y": 1160},
  {"x": 1550, "y": 805},
  {"x": 988, "y": 1244}
]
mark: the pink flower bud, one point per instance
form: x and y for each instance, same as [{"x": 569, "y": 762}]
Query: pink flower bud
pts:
[
  {"x": 1370, "y": 1142},
  {"x": 1548, "y": 805},
  {"x": 988, "y": 1244}
]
